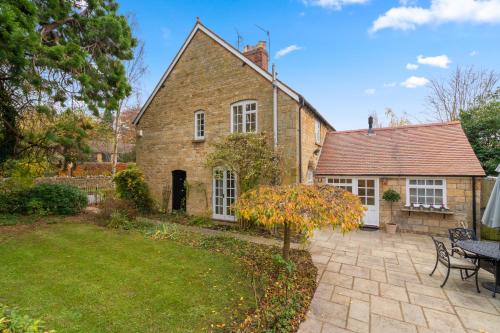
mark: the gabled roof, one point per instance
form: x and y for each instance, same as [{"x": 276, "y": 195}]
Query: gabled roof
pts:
[
  {"x": 415, "y": 150},
  {"x": 200, "y": 27}
]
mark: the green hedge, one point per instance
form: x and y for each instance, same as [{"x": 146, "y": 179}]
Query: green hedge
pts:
[{"x": 44, "y": 199}]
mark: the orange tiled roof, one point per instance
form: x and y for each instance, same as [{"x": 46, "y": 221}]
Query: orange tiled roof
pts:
[{"x": 440, "y": 149}]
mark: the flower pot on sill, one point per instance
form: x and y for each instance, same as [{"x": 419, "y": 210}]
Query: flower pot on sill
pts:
[{"x": 391, "y": 228}]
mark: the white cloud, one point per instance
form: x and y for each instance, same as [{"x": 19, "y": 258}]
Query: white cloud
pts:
[
  {"x": 333, "y": 4},
  {"x": 411, "y": 67},
  {"x": 370, "y": 91},
  {"x": 441, "y": 61},
  {"x": 440, "y": 11},
  {"x": 414, "y": 82},
  {"x": 287, "y": 50},
  {"x": 474, "y": 53},
  {"x": 390, "y": 84}
]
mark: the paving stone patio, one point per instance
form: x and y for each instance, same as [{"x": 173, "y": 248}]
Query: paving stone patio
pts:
[{"x": 369, "y": 281}]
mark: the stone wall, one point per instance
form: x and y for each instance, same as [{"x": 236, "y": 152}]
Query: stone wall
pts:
[
  {"x": 86, "y": 183},
  {"x": 207, "y": 77},
  {"x": 459, "y": 201}
]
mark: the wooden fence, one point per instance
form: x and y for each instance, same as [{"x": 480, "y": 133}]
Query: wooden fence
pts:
[
  {"x": 96, "y": 187},
  {"x": 486, "y": 188}
]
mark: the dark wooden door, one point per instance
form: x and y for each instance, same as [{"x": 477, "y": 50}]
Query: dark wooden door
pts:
[{"x": 178, "y": 190}]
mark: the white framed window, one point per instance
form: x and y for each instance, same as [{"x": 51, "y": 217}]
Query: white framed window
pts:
[
  {"x": 343, "y": 183},
  {"x": 317, "y": 131},
  {"x": 199, "y": 125},
  {"x": 244, "y": 117},
  {"x": 426, "y": 191}
]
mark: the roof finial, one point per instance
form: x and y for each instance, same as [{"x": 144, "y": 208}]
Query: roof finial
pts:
[{"x": 198, "y": 19}]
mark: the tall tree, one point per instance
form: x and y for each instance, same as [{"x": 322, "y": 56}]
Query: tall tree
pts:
[
  {"x": 482, "y": 127},
  {"x": 134, "y": 71},
  {"x": 58, "y": 56},
  {"x": 465, "y": 89}
]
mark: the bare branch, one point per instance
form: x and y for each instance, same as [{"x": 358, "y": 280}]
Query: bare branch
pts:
[{"x": 466, "y": 88}]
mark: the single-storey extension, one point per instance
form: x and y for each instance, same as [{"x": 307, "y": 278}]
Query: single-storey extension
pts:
[{"x": 431, "y": 166}]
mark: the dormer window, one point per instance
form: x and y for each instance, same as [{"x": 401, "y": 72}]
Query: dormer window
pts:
[
  {"x": 199, "y": 125},
  {"x": 244, "y": 117}
]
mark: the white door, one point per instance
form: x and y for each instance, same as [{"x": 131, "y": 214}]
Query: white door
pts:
[
  {"x": 224, "y": 194},
  {"x": 367, "y": 191}
]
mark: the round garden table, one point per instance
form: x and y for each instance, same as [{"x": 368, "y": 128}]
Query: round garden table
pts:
[{"x": 485, "y": 250}]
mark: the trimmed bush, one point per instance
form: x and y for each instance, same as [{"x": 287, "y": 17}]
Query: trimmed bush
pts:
[
  {"x": 56, "y": 199},
  {"x": 130, "y": 185},
  {"x": 13, "y": 202},
  {"x": 44, "y": 199}
]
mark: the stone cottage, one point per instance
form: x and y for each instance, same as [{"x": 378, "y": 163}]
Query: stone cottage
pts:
[
  {"x": 209, "y": 90},
  {"x": 431, "y": 166}
]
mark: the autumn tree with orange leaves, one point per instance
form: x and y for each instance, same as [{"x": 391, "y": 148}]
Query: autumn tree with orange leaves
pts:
[{"x": 300, "y": 208}]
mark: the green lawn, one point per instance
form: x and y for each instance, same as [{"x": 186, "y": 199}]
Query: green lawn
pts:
[
  {"x": 83, "y": 278},
  {"x": 15, "y": 219}
]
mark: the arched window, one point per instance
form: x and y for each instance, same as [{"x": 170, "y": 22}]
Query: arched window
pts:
[{"x": 244, "y": 117}]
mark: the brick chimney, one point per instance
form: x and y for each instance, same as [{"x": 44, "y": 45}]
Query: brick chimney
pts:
[{"x": 257, "y": 54}]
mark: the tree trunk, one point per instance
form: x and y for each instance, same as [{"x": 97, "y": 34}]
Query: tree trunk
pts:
[
  {"x": 391, "y": 211},
  {"x": 8, "y": 135},
  {"x": 114, "y": 157},
  {"x": 286, "y": 242}
]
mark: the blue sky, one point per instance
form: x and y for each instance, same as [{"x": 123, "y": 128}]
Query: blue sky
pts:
[{"x": 350, "y": 56}]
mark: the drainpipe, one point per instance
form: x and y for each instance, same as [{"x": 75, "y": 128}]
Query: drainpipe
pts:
[
  {"x": 275, "y": 109},
  {"x": 474, "y": 222},
  {"x": 302, "y": 103}
]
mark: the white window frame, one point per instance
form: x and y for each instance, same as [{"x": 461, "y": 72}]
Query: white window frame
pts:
[
  {"x": 224, "y": 216},
  {"x": 196, "y": 125},
  {"x": 317, "y": 131},
  {"x": 243, "y": 105},
  {"x": 352, "y": 183},
  {"x": 423, "y": 186}
]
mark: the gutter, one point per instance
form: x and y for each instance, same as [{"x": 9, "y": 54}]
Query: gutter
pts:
[
  {"x": 275, "y": 109},
  {"x": 474, "y": 218},
  {"x": 302, "y": 103}
]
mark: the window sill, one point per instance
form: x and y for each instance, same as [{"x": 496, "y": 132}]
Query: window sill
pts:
[
  {"x": 198, "y": 140},
  {"x": 427, "y": 210}
]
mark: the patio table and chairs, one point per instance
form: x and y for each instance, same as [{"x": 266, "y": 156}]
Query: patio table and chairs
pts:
[
  {"x": 485, "y": 251},
  {"x": 469, "y": 255},
  {"x": 455, "y": 262}
]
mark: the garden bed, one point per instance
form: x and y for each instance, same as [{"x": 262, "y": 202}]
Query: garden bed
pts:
[{"x": 207, "y": 223}]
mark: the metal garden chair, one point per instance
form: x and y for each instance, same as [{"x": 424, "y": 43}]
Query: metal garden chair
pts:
[
  {"x": 458, "y": 234},
  {"x": 463, "y": 264}
]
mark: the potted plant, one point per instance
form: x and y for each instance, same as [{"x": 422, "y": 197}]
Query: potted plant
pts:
[{"x": 391, "y": 196}]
